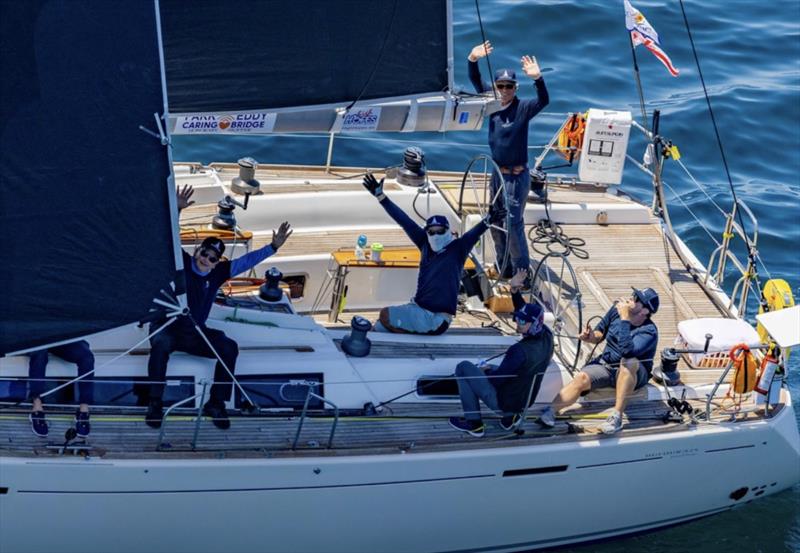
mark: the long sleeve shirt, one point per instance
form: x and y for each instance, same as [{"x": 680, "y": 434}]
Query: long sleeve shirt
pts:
[
  {"x": 625, "y": 340},
  {"x": 523, "y": 361},
  {"x": 201, "y": 288},
  {"x": 508, "y": 128},
  {"x": 439, "y": 272}
]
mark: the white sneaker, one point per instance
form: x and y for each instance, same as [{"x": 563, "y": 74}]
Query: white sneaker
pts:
[
  {"x": 547, "y": 418},
  {"x": 613, "y": 423}
]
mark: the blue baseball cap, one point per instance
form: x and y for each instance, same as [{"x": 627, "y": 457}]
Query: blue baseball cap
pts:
[
  {"x": 437, "y": 221},
  {"x": 531, "y": 313},
  {"x": 505, "y": 75},
  {"x": 647, "y": 297},
  {"x": 214, "y": 244}
]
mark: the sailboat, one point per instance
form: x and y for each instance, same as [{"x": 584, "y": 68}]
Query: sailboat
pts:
[{"x": 334, "y": 450}]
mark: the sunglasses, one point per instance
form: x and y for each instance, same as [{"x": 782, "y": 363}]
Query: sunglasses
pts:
[
  {"x": 432, "y": 232},
  {"x": 210, "y": 256},
  {"x": 505, "y": 86}
]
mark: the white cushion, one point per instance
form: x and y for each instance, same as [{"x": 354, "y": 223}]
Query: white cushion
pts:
[{"x": 726, "y": 334}]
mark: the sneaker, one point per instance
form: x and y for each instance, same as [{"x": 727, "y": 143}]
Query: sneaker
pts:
[
  {"x": 547, "y": 418},
  {"x": 82, "y": 426},
  {"x": 613, "y": 423},
  {"x": 473, "y": 428},
  {"x": 39, "y": 423},
  {"x": 510, "y": 422},
  {"x": 155, "y": 414},
  {"x": 218, "y": 415}
]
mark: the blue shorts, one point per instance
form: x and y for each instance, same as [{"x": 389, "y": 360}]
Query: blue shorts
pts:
[{"x": 413, "y": 318}]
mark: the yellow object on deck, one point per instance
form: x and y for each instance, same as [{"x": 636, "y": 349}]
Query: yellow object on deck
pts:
[
  {"x": 391, "y": 257},
  {"x": 778, "y": 295}
]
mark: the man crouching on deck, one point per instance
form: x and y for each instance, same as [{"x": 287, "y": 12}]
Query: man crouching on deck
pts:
[
  {"x": 441, "y": 264},
  {"x": 205, "y": 272},
  {"x": 626, "y": 363}
]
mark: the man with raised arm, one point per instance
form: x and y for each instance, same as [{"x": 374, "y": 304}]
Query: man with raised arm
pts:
[
  {"x": 205, "y": 272},
  {"x": 505, "y": 388},
  {"x": 626, "y": 363},
  {"x": 442, "y": 260},
  {"x": 508, "y": 141}
]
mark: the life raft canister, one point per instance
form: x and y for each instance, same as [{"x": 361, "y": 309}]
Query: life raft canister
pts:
[
  {"x": 570, "y": 138},
  {"x": 778, "y": 295},
  {"x": 744, "y": 369}
]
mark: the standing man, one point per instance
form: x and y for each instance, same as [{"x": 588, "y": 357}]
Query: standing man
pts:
[
  {"x": 76, "y": 352},
  {"x": 508, "y": 141},
  {"x": 627, "y": 362},
  {"x": 205, "y": 272},
  {"x": 442, "y": 260},
  {"x": 506, "y": 388}
]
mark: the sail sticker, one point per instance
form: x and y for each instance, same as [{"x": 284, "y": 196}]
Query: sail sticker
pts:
[
  {"x": 362, "y": 120},
  {"x": 232, "y": 123}
]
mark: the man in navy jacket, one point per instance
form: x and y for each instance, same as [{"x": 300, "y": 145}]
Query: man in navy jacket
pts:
[
  {"x": 441, "y": 264},
  {"x": 205, "y": 272},
  {"x": 508, "y": 141}
]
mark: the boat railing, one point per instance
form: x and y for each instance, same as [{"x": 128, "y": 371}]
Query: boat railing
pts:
[
  {"x": 309, "y": 395},
  {"x": 204, "y": 386}
]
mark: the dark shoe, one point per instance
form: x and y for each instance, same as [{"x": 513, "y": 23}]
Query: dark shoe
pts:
[
  {"x": 218, "y": 415},
  {"x": 510, "y": 422},
  {"x": 39, "y": 424},
  {"x": 547, "y": 418},
  {"x": 82, "y": 426},
  {"x": 155, "y": 414},
  {"x": 473, "y": 428}
]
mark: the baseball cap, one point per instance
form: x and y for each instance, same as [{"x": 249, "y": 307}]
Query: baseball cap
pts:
[
  {"x": 214, "y": 244},
  {"x": 648, "y": 297},
  {"x": 437, "y": 221},
  {"x": 531, "y": 313},
  {"x": 505, "y": 75}
]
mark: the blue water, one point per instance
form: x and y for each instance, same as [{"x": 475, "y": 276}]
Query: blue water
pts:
[{"x": 750, "y": 56}]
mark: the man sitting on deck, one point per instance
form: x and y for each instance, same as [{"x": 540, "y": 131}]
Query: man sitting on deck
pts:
[
  {"x": 205, "y": 272},
  {"x": 441, "y": 264},
  {"x": 626, "y": 363},
  {"x": 506, "y": 389}
]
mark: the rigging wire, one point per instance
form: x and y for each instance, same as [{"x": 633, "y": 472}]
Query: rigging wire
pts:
[
  {"x": 750, "y": 249},
  {"x": 483, "y": 38}
]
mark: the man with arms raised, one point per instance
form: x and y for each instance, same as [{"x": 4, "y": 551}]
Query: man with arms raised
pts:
[{"x": 205, "y": 272}]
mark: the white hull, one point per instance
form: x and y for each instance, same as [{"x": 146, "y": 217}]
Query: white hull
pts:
[{"x": 448, "y": 501}]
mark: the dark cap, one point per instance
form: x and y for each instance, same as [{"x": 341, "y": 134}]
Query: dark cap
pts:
[
  {"x": 214, "y": 244},
  {"x": 647, "y": 297},
  {"x": 531, "y": 313},
  {"x": 505, "y": 75},
  {"x": 437, "y": 221}
]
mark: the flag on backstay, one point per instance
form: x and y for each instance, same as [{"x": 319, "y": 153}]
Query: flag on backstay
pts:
[{"x": 643, "y": 33}]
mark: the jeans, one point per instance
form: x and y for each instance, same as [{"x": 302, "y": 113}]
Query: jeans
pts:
[
  {"x": 189, "y": 341},
  {"x": 474, "y": 387},
  {"x": 517, "y": 189},
  {"x": 76, "y": 352}
]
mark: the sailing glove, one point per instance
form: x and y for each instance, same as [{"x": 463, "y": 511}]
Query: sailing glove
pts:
[{"x": 375, "y": 188}]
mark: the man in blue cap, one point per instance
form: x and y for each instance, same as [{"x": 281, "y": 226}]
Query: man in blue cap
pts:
[
  {"x": 506, "y": 388},
  {"x": 508, "y": 141},
  {"x": 626, "y": 363},
  {"x": 441, "y": 263}
]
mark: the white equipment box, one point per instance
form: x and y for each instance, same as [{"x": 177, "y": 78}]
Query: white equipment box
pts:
[{"x": 604, "y": 146}]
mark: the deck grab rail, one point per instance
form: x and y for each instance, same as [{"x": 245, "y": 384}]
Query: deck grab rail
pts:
[{"x": 312, "y": 386}]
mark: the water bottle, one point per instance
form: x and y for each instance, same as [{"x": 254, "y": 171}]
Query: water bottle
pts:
[{"x": 361, "y": 243}]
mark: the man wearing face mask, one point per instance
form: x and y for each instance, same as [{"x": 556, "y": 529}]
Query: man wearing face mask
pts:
[
  {"x": 626, "y": 362},
  {"x": 508, "y": 141},
  {"x": 441, "y": 264},
  {"x": 504, "y": 389}
]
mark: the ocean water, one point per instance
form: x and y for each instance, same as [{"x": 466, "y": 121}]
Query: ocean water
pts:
[{"x": 750, "y": 57}]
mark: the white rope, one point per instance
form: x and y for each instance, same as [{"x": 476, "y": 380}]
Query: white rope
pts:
[
  {"x": 700, "y": 187},
  {"x": 699, "y": 222}
]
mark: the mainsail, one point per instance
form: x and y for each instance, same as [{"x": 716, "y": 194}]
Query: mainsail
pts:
[{"x": 86, "y": 197}]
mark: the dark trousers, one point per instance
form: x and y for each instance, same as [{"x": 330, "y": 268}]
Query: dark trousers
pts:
[
  {"x": 76, "y": 352},
  {"x": 517, "y": 189},
  {"x": 189, "y": 341}
]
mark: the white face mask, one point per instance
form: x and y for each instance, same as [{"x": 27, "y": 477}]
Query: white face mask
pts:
[{"x": 439, "y": 241}]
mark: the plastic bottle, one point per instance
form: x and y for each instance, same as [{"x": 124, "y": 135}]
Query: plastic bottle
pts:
[{"x": 361, "y": 243}]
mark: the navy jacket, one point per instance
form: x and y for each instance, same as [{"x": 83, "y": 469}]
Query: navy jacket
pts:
[
  {"x": 523, "y": 361},
  {"x": 201, "y": 289},
  {"x": 624, "y": 340},
  {"x": 439, "y": 272},
  {"x": 508, "y": 128}
]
